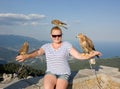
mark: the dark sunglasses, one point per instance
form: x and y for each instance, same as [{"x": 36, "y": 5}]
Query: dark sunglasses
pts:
[{"x": 54, "y": 36}]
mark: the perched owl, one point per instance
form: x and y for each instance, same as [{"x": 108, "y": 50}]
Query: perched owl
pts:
[
  {"x": 24, "y": 49},
  {"x": 87, "y": 45},
  {"x": 59, "y": 23}
]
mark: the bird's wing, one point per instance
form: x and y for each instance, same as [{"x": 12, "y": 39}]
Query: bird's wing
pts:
[
  {"x": 24, "y": 49},
  {"x": 83, "y": 43},
  {"x": 91, "y": 45},
  {"x": 86, "y": 43},
  {"x": 55, "y": 22},
  {"x": 59, "y": 23},
  {"x": 63, "y": 23},
  {"x": 85, "y": 47},
  {"x": 64, "y": 27}
]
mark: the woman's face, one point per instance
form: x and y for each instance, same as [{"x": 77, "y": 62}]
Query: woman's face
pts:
[{"x": 56, "y": 36}]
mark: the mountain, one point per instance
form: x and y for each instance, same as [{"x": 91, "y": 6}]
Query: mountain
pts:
[
  {"x": 6, "y": 55},
  {"x": 15, "y": 41},
  {"x": 10, "y": 44}
]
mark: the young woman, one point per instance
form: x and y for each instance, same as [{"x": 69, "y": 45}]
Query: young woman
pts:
[{"x": 57, "y": 53}]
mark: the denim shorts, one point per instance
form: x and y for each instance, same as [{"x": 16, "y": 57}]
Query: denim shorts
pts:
[{"x": 61, "y": 76}]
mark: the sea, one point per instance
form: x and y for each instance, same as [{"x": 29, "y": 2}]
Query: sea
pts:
[{"x": 108, "y": 49}]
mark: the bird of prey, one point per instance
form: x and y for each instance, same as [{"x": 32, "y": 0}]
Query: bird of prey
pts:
[
  {"x": 24, "y": 49},
  {"x": 87, "y": 45},
  {"x": 59, "y": 23}
]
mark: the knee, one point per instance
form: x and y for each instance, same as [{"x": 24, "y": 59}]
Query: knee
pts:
[
  {"x": 49, "y": 86},
  {"x": 49, "y": 82}
]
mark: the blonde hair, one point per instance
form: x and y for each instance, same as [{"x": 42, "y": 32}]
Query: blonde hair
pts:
[{"x": 55, "y": 28}]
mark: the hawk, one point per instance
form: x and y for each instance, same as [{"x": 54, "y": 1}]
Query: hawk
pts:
[
  {"x": 24, "y": 49},
  {"x": 59, "y": 23},
  {"x": 87, "y": 45}
]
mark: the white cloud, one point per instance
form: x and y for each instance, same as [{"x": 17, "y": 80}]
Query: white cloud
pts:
[{"x": 20, "y": 19}]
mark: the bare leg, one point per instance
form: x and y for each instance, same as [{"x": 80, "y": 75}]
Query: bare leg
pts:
[
  {"x": 61, "y": 84},
  {"x": 49, "y": 81}
]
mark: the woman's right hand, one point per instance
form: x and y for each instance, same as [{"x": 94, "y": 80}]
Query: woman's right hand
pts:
[{"x": 21, "y": 58}]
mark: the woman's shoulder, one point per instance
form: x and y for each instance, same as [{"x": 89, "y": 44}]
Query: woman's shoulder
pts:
[
  {"x": 66, "y": 43},
  {"x": 45, "y": 45}
]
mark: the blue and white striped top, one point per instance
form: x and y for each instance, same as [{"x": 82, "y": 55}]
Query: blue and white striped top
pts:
[{"x": 57, "y": 60}]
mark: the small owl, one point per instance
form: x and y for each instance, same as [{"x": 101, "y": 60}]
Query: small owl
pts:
[{"x": 58, "y": 23}]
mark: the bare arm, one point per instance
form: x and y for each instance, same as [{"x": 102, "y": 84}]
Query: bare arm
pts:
[
  {"x": 82, "y": 56},
  {"x": 33, "y": 54}
]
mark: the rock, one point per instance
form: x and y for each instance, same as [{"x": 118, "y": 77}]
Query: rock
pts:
[
  {"x": 7, "y": 78},
  {"x": 29, "y": 77},
  {"x": 83, "y": 79}
]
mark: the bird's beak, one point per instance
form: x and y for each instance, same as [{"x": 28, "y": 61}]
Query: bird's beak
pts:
[{"x": 77, "y": 36}]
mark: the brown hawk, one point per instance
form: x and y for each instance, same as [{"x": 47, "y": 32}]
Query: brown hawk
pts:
[
  {"x": 87, "y": 45},
  {"x": 24, "y": 49},
  {"x": 59, "y": 23}
]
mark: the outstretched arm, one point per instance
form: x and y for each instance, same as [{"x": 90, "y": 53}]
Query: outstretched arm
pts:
[
  {"x": 82, "y": 56},
  {"x": 21, "y": 58}
]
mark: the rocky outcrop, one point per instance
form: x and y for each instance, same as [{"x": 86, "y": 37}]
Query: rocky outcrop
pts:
[
  {"x": 7, "y": 78},
  {"x": 103, "y": 78}
]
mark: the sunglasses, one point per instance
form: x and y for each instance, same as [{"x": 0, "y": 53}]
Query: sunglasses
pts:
[{"x": 54, "y": 36}]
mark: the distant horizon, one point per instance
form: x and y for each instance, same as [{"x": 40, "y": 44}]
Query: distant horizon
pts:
[
  {"x": 108, "y": 49},
  {"x": 76, "y": 39}
]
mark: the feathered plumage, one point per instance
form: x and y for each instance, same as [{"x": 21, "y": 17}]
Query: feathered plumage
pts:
[
  {"x": 59, "y": 23},
  {"x": 86, "y": 44},
  {"x": 24, "y": 49}
]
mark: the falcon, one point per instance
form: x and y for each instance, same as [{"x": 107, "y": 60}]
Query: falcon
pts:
[
  {"x": 24, "y": 49},
  {"x": 86, "y": 45},
  {"x": 59, "y": 23}
]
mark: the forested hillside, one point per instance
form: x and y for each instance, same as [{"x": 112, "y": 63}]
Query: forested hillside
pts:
[{"x": 10, "y": 45}]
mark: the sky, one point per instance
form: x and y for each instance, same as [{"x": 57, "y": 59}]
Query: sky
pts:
[{"x": 98, "y": 19}]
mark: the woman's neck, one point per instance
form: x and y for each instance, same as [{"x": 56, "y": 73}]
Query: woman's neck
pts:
[{"x": 56, "y": 45}]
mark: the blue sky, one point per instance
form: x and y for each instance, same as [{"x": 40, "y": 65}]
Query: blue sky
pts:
[{"x": 98, "y": 19}]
